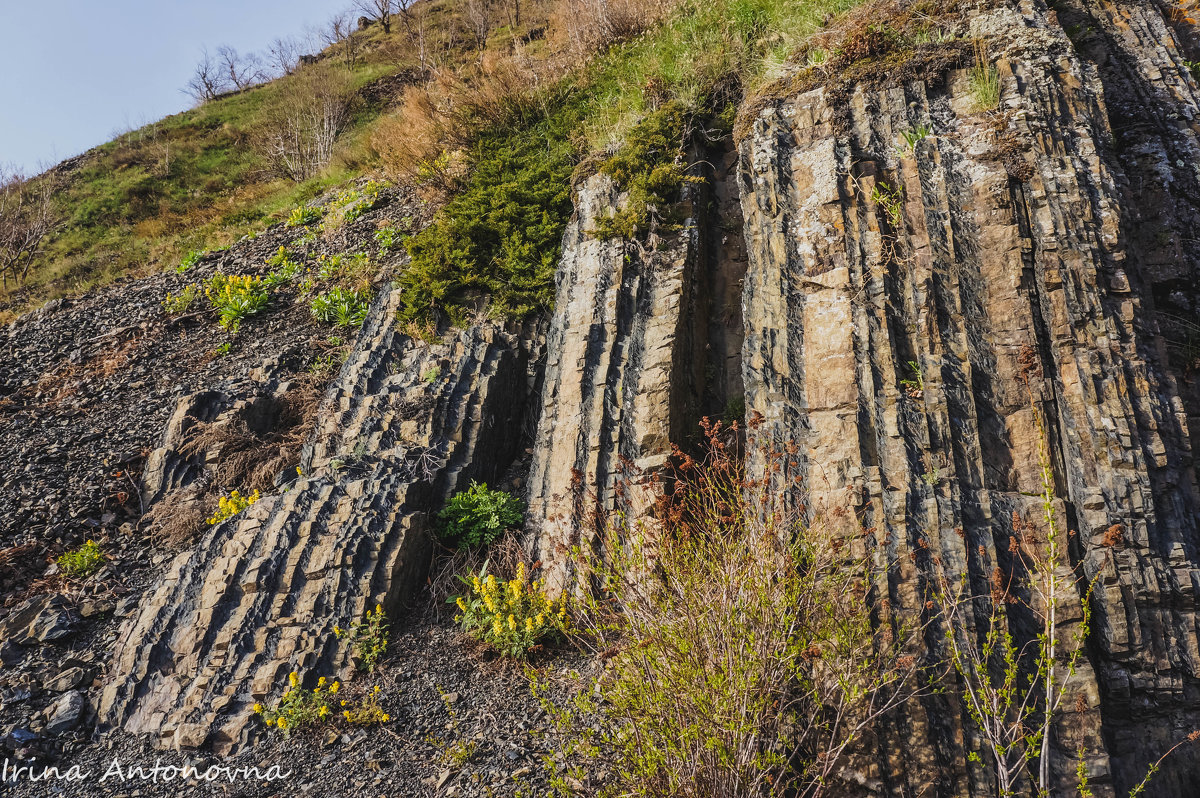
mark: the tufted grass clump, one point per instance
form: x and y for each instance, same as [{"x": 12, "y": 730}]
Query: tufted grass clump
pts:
[
  {"x": 82, "y": 561},
  {"x": 368, "y": 638},
  {"x": 236, "y": 297},
  {"x": 178, "y": 304},
  {"x": 344, "y": 307},
  {"x": 231, "y": 505},
  {"x": 512, "y": 616},
  {"x": 651, "y": 168},
  {"x": 304, "y": 215}
]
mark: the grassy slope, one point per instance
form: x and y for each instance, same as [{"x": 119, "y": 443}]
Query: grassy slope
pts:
[{"x": 138, "y": 203}]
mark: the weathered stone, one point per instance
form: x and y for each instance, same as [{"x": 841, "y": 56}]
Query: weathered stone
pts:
[
  {"x": 41, "y": 619},
  {"x": 1010, "y": 287},
  {"x": 405, "y": 425},
  {"x": 66, "y": 680},
  {"x": 65, "y": 713}
]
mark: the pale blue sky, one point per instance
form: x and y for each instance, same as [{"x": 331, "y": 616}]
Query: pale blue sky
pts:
[{"x": 74, "y": 72}]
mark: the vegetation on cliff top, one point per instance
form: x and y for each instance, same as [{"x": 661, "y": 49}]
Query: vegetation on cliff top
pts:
[{"x": 434, "y": 96}]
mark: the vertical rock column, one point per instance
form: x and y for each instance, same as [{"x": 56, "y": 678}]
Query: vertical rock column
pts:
[
  {"x": 645, "y": 339},
  {"x": 906, "y": 312}
]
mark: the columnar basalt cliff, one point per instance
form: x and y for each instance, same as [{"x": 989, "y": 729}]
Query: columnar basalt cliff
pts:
[
  {"x": 993, "y": 265},
  {"x": 903, "y": 309},
  {"x": 644, "y": 340},
  {"x": 404, "y": 426}
]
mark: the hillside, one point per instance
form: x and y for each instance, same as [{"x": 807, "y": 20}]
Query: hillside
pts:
[{"x": 740, "y": 398}]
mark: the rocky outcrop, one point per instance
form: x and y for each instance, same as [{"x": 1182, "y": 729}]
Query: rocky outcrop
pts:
[
  {"x": 907, "y": 310},
  {"x": 645, "y": 339},
  {"x": 405, "y": 424}
]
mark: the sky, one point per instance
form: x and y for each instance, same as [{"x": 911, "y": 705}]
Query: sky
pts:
[{"x": 75, "y": 73}]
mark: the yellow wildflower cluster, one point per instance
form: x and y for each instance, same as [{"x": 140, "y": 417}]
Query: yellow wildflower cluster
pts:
[
  {"x": 510, "y": 616},
  {"x": 299, "y": 707},
  {"x": 366, "y": 712},
  {"x": 81, "y": 561},
  {"x": 175, "y": 304},
  {"x": 231, "y": 505},
  {"x": 235, "y": 297}
]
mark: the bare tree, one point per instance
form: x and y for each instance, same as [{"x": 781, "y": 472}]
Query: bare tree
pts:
[
  {"x": 207, "y": 81},
  {"x": 479, "y": 15},
  {"x": 283, "y": 55},
  {"x": 243, "y": 71},
  {"x": 339, "y": 33},
  {"x": 380, "y": 10},
  {"x": 313, "y": 108},
  {"x": 27, "y": 217}
]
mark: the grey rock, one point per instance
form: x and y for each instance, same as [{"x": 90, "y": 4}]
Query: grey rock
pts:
[{"x": 65, "y": 713}]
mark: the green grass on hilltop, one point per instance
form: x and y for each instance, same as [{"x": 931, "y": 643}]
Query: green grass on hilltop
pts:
[{"x": 194, "y": 181}]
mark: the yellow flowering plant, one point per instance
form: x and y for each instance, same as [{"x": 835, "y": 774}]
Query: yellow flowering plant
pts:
[
  {"x": 366, "y": 712},
  {"x": 300, "y": 707},
  {"x": 511, "y": 616},
  {"x": 368, "y": 638},
  {"x": 236, "y": 297},
  {"x": 231, "y": 505},
  {"x": 82, "y": 561},
  {"x": 176, "y": 304}
]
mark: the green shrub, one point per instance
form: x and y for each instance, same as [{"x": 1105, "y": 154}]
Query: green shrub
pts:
[
  {"x": 500, "y": 236},
  {"x": 190, "y": 260},
  {"x": 82, "y": 561},
  {"x": 236, "y": 297},
  {"x": 342, "y": 306},
  {"x": 510, "y": 616},
  {"x": 176, "y": 304},
  {"x": 747, "y": 651},
  {"x": 479, "y": 515},
  {"x": 303, "y": 215},
  {"x": 650, "y": 167}
]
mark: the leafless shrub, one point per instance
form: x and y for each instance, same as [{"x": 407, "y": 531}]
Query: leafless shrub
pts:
[
  {"x": 283, "y": 55},
  {"x": 339, "y": 34},
  {"x": 243, "y": 71},
  {"x": 479, "y": 16},
  {"x": 309, "y": 113},
  {"x": 379, "y": 10},
  {"x": 207, "y": 81},
  {"x": 27, "y": 218}
]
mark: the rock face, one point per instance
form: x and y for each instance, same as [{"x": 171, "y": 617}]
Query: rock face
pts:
[
  {"x": 644, "y": 339},
  {"x": 908, "y": 310},
  {"x": 404, "y": 425},
  {"x": 917, "y": 314}
]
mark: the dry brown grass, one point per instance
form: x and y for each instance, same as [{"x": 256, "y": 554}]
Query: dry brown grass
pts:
[
  {"x": 502, "y": 558},
  {"x": 178, "y": 518},
  {"x": 251, "y": 459}
]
